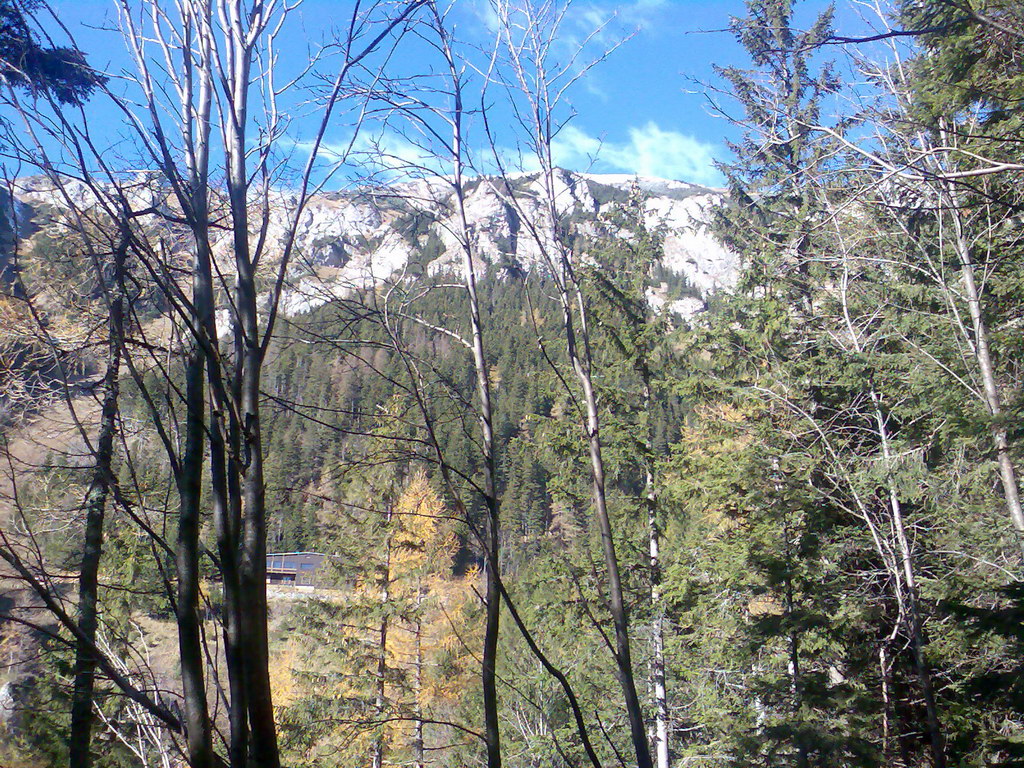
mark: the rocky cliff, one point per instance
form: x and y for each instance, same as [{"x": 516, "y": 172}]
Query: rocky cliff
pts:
[
  {"x": 357, "y": 239},
  {"x": 362, "y": 238}
]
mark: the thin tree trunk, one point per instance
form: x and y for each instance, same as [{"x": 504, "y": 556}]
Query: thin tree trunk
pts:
[
  {"x": 492, "y": 531},
  {"x": 661, "y": 742},
  {"x": 226, "y": 515},
  {"x": 580, "y": 360},
  {"x": 380, "y": 702},
  {"x": 658, "y": 623},
  {"x": 80, "y": 738},
  {"x": 417, "y": 734},
  {"x": 990, "y": 386},
  {"x": 796, "y": 681},
  {"x": 253, "y": 562},
  {"x": 495, "y": 589},
  {"x": 616, "y": 604},
  {"x": 577, "y": 343},
  {"x": 883, "y": 673},
  {"x": 190, "y": 482},
  {"x": 935, "y": 736},
  {"x": 528, "y": 60},
  {"x": 196, "y": 136},
  {"x": 492, "y": 534},
  {"x": 578, "y": 353},
  {"x": 225, "y": 473}
]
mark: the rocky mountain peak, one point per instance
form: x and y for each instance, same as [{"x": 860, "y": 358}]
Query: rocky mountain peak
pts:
[{"x": 359, "y": 238}]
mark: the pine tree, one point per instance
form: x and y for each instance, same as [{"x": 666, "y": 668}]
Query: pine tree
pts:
[{"x": 27, "y": 62}]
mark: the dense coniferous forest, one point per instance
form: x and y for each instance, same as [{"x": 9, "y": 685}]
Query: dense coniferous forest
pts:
[{"x": 568, "y": 500}]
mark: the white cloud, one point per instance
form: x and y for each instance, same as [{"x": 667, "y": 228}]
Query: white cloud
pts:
[
  {"x": 482, "y": 13},
  {"x": 643, "y": 13},
  {"x": 615, "y": 20},
  {"x": 574, "y": 148},
  {"x": 386, "y": 153},
  {"x": 394, "y": 152},
  {"x": 649, "y": 151}
]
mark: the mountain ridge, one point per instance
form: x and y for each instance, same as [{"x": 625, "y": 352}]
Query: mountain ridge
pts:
[{"x": 357, "y": 239}]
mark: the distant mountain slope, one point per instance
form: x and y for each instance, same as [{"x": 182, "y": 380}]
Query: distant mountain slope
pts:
[{"x": 362, "y": 237}]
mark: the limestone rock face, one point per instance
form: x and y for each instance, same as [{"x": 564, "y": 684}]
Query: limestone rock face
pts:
[{"x": 361, "y": 238}]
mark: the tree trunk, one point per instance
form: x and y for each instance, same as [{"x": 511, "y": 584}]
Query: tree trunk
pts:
[
  {"x": 253, "y": 562},
  {"x": 417, "y": 734},
  {"x": 249, "y": 355},
  {"x": 796, "y": 680},
  {"x": 886, "y": 684},
  {"x": 492, "y": 529},
  {"x": 80, "y": 739},
  {"x": 934, "y": 728},
  {"x": 616, "y": 604},
  {"x": 990, "y": 386},
  {"x": 196, "y": 205},
  {"x": 190, "y": 484},
  {"x": 380, "y": 703},
  {"x": 657, "y": 607},
  {"x": 577, "y": 343},
  {"x": 226, "y": 515},
  {"x": 580, "y": 360},
  {"x": 528, "y": 40},
  {"x": 196, "y": 714}
]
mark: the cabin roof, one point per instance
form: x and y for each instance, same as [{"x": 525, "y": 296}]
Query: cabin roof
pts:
[{"x": 292, "y": 554}]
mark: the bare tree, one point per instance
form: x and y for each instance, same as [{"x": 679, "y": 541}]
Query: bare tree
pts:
[
  {"x": 95, "y": 508},
  {"x": 227, "y": 52},
  {"x": 433, "y": 118},
  {"x": 97, "y": 246},
  {"x": 206, "y": 89},
  {"x": 524, "y": 65}
]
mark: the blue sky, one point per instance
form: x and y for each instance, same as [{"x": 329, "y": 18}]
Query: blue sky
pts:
[{"x": 641, "y": 111}]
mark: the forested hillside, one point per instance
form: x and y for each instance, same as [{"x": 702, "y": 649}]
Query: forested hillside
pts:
[{"x": 592, "y": 470}]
